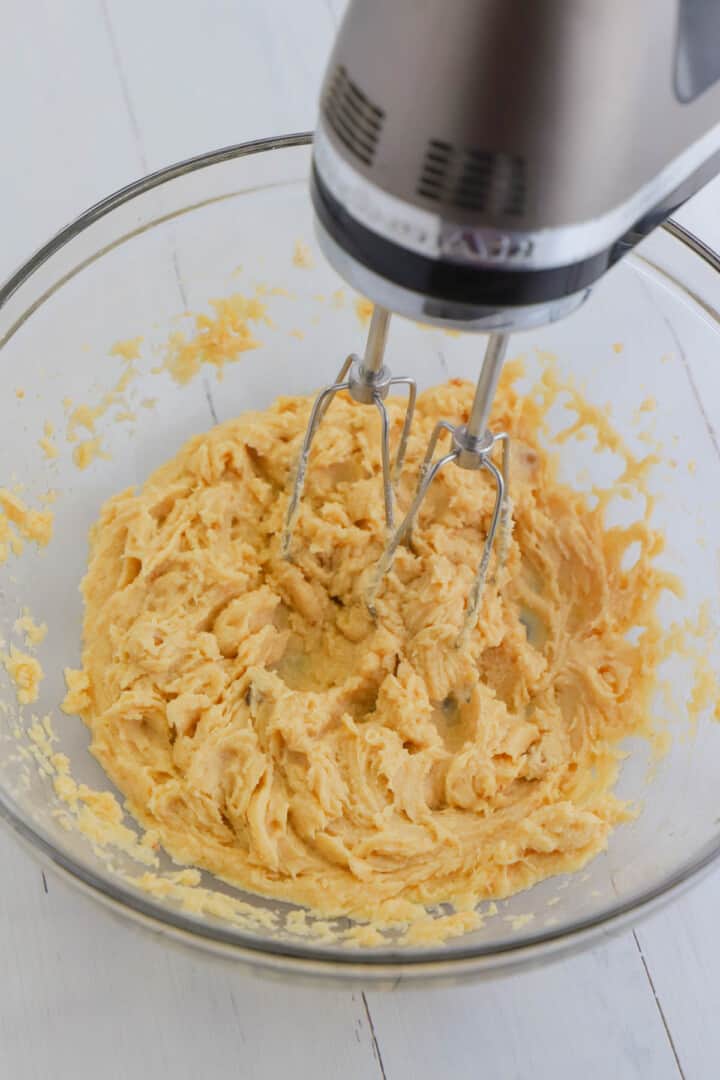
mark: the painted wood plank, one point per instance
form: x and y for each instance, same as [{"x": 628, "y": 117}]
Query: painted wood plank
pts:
[
  {"x": 337, "y": 7},
  {"x": 84, "y": 995},
  {"x": 66, "y": 140},
  {"x": 681, "y": 945},
  {"x": 200, "y": 76},
  {"x": 590, "y": 1016}
]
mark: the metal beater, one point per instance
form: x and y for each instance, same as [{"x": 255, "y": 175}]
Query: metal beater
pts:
[
  {"x": 368, "y": 381},
  {"x": 472, "y": 445},
  {"x": 487, "y": 179}
]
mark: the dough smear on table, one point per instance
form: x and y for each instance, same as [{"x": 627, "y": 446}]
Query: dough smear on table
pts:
[{"x": 271, "y": 732}]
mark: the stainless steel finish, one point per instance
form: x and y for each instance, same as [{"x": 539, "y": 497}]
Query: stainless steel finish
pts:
[
  {"x": 368, "y": 381},
  {"x": 472, "y": 447},
  {"x": 372, "y": 362},
  {"x": 486, "y": 386},
  {"x": 535, "y": 135},
  {"x": 441, "y": 233},
  {"x": 459, "y": 316},
  {"x": 564, "y": 86}
]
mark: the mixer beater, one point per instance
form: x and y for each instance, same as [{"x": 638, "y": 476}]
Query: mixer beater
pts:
[
  {"x": 464, "y": 192},
  {"x": 368, "y": 381}
]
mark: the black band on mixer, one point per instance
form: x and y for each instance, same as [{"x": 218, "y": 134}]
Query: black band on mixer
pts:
[{"x": 451, "y": 281}]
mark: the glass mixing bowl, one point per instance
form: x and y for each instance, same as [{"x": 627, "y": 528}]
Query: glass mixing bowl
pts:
[{"x": 229, "y": 222}]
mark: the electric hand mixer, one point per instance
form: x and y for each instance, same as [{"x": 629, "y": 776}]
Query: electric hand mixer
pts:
[{"x": 479, "y": 164}]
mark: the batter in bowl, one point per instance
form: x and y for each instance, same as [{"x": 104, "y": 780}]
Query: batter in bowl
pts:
[{"x": 270, "y": 731}]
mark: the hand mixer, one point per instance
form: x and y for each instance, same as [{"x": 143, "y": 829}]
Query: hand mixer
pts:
[{"x": 480, "y": 164}]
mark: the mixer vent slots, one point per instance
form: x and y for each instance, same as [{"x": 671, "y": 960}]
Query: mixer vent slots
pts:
[
  {"x": 478, "y": 180},
  {"x": 355, "y": 120}
]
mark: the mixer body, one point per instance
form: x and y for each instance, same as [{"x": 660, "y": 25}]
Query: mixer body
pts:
[{"x": 481, "y": 163}]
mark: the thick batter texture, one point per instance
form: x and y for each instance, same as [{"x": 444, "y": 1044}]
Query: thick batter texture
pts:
[{"x": 256, "y": 716}]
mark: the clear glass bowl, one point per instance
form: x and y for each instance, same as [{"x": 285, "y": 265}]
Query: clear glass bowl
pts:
[{"x": 224, "y": 223}]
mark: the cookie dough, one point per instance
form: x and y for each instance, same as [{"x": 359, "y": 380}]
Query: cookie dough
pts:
[
  {"x": 256, "y": 717},
  {"x": 26, "y": 672}
]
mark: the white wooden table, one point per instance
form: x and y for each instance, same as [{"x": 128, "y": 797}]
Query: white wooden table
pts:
[{"x": 96, "y": 92}]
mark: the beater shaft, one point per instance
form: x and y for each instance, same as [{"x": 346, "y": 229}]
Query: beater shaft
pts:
[
  {"x": 372, "y": 360},
  {"x": 487, "y": 385}
]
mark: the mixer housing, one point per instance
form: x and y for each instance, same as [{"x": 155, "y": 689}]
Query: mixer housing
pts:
[{"x": 481, "y": 163}]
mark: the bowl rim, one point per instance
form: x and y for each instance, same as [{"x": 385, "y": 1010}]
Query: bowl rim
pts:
[{"x": 235, "y": 944}]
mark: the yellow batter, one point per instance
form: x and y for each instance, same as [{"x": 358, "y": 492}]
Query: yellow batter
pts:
[{"x": 256, "y": 717}]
